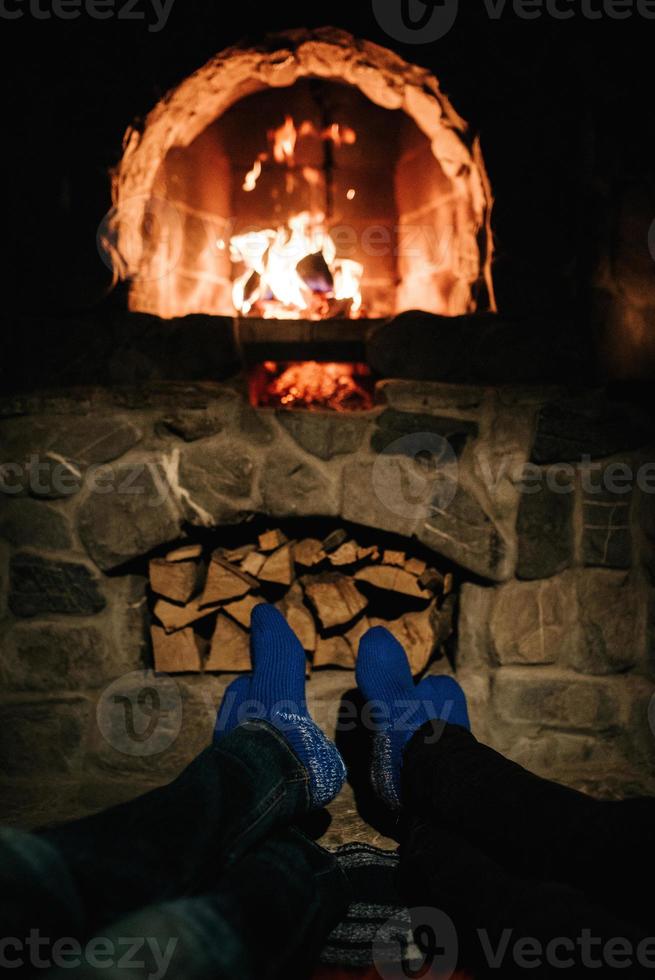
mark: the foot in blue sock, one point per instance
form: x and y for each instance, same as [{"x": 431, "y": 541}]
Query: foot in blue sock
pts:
[
  {"x": 398, "y": 708},
  {"x": 276, "y": 693}
]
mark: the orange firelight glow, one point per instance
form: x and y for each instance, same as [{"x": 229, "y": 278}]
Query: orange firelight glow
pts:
[
  {"x": 314, "y": 386},
  {"x": 292, "y": 270}
]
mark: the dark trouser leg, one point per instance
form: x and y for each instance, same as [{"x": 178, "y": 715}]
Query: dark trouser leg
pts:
[
  {"x": 507, "y": 926},
  {"x": 531, "y": 826},
  {"x": 172, "y": 842},
  {"x": 268, "y": 918}
]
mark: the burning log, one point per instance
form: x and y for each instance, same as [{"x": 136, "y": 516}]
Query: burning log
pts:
[{"x": 334, "y": 598}]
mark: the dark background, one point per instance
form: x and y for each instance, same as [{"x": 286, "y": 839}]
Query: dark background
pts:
[{"x": 563, "y": 110}]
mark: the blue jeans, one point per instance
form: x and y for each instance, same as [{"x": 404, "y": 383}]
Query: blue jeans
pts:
[{"x": 204, "y": 878}]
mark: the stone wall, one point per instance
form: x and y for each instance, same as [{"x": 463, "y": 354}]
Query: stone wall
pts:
[{"x": 556, "y": 618}]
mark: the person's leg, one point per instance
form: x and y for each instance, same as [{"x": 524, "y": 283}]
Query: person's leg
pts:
[
  {"x": 178, "y": 839},
  {"x": 268, "y": 917},
  {"x": 532, "y": 826},
  {"x": 503, "y": 925}
]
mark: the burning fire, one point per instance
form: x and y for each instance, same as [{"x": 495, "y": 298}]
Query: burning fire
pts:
[
  {"x": 311, "y": 385},
  {"x": 292, "y": 270}
]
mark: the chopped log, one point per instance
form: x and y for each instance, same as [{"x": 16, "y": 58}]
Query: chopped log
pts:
[
  {"x": 174, "y": 580},
  {"x": 299, "y": 617},
  {"x": 175, "y": 617},
  {"x": 225, "y": 582},
  {"x": 415, "y": 633},
  {"x": 270, "y": 540},
  {"x": 431, "y": 579},
  {"x": 334, "y": 652},
  {"x": 185, "y": 553},
  {"x": 236, "y": 555},
  {"x": 346, "y": 554},
  {"x": 356, "y": 632},
  {"x": 278, "y": 567},
  {"x": 393, "y": 558},
  {"x": 230, "y": 647},
  {"x": 415, "y": 566},
  {"x": 365, "y": 553},
  {"x": 252, "y": 563},
  {"x": 175, "y": 653},
  {"x": 443, "y": 620},
  {"x": 448, "y": 584},
  {"x": 241, "y": 609},
  {"x": 392, "y": 579},
  {"x": 308, "y": 552},
  {"x": 334, "y": 539},
  {"x": 334, "y": 597}
]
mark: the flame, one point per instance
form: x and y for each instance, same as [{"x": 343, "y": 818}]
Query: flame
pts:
[
  {"x": 309, "y": 384},
  {"x": 293, "y": 271},
  {"x": 283, "y": 142}
]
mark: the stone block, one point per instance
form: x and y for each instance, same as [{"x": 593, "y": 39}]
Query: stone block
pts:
[
  {"x": 32, "y": 524},
  {"x": 545, "y": 698},
  {"x": 289, "y": 486},
  {"x": 212, "y": 475},
  {"x": 545, "y": 531},
  {"x": 459, "y": 528},
  {"x": 43, "y": 739},
  {"x": 474, "y": 642},
  {"x": 132, "y": 510},
  {"x": 534, "y": 622},
  {"x": 39, "y": 585},
  {"x": 325, "y": 434},
  {"x": 153, "y": 725},
  {"x": 612, "y": 623},
  {"x": 606, "y": 516},
  {"x": 393, "y": 426},
  {"x": 373, "y": 495},
  {"x": 589, "y": 425},
  {"x": 53, "y": 657},
  {"x": 427, "y": 396}
]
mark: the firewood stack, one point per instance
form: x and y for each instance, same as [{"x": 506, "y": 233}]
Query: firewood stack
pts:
[{"x": 331, "y": 592}]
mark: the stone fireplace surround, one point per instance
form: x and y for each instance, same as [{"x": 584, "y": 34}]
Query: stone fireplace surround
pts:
[{"x": 554, "y": 636}]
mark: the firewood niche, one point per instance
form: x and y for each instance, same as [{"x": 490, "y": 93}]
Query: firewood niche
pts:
[{"x": 331, "y": 588}]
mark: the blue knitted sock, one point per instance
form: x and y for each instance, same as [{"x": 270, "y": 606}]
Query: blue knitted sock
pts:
[
  {"x": 277, "y": 693},
  {"x": 231, "y": 711},
  {"x": 397, "y": 708}
]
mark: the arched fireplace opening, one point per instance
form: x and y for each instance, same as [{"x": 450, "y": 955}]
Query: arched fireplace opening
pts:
[{"x": 316, "y": 145}]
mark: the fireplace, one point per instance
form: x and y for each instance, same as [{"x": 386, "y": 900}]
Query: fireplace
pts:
[{"x": 385, "y": 402}]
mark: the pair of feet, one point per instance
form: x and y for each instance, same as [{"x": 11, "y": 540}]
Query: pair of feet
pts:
[{"x": 275, "y": 692}]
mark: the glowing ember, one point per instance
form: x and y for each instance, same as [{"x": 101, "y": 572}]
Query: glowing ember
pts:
[{"x": 308, "y": 384}]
